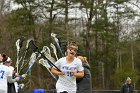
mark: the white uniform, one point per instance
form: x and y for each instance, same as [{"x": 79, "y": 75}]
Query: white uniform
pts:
[
  {"x": 5, "y": 71},
  {"x": 67, "y": 82},
  {"x": 15, "y": 83}
]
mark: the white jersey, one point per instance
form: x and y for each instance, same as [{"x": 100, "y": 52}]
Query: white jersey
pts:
[
  {"x": 67, "y": 82},
  {"x": 15, "y": 83},
  {"x": 5, "y": 71}
]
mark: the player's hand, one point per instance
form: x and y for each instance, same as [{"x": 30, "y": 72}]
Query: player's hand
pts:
[
  {"x": 17, "y": 78},
  {"x": 16, "y": 74},
  {"x": 61, "y": 73},
  {"x": 24, "y": 76}
]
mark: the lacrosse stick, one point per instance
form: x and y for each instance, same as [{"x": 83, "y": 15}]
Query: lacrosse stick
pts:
[
  {"x": 54, "y": 50},
  {"x": 47, "y": 49},
  {"x": 34, "y": 58},
  {"x": 32, "y": 61},
  {"x": 18, "y": 46},
  {"x": 46, "y": 65},
  {"x": 18, "y": 50},
  {"x": 48, "y": 54},
  {"x": 37, "y": 49},
  {"x": 57, "y": 43},
  {"x": 24, "y": 54}
]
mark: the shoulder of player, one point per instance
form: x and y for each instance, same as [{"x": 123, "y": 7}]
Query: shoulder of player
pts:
[
  {"x": 62, "y": 58},
  {"x": 6, "y": 67},
  {"x": 78, "y": 60}
]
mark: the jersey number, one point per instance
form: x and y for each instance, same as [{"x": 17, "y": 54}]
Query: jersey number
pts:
[
  {"x": 1, "y": 74},
  {"x": 70, "y": 74}
]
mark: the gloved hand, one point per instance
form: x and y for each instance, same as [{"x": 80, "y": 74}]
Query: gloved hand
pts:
[{"x": 19, "y": 77}]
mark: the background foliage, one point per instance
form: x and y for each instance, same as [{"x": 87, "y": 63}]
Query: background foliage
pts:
[{"x": 107, "y": 32}]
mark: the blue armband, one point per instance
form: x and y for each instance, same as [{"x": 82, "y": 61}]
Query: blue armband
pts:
[{"x": 20, "y": 77}]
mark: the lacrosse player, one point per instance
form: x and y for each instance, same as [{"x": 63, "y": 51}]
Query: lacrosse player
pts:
[
  {"x": 6, "y": 74},
  {"x": 84, "y": 85},
  {"x": 13, "y": 87},
  {"x": 71, "y": 68}
]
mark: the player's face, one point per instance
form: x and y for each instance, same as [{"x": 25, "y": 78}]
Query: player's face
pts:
[
  {"x": 71, "y": 51},
  {"x": 129, "y": 81}
]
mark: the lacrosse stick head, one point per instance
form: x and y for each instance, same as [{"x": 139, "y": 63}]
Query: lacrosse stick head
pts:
[
  {"x": 46, "y": 49},
  {"x": 29, "y": 41},
  {"x": 31, "y": 45},
  {"x": 53, "y": 46},
  {"x": 17, "y": 44},
  {"x": 21, "y": 41},
  {"x": 54, "y": 50},
  {"x": 41, "y": 60},
  {"x": 53, "y": 34},
  {"x": 49, "y": 57},
  {"x": 33, "y": 58},
  {"x": 44, "y": 63}
]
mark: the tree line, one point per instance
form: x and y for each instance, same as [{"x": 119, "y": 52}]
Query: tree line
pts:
[{"x": 107, "y": 32}]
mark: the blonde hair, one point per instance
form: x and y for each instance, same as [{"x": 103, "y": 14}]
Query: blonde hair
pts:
[{"x": 83, "y": 59}]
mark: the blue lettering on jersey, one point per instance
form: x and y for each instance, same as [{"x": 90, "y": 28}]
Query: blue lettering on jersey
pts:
[
  {"x": 1, "y": 74},
  {"x": 68, "y": 70}
]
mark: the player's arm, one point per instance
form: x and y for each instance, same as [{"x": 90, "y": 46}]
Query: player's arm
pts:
[
  {"x": 11, "y": 80},
  {"x": 19, "y": 77},
  {"x": 56, "y": 72},
  {"x": 79, "y": 74},
  {"x": 80, "y": 68}
]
